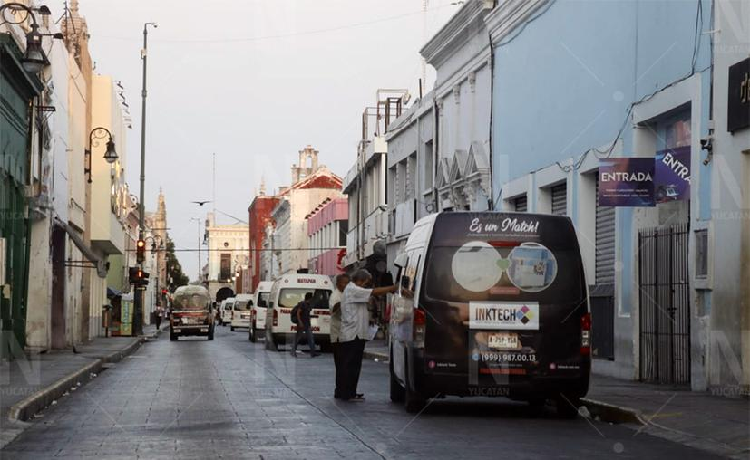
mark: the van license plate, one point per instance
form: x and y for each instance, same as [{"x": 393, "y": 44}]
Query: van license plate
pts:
[{"x": 503, "y": 341}]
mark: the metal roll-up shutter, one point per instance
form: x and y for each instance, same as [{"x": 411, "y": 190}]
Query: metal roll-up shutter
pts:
[
  {"x": 605, "y": 242},
  {"x": 521, "y": 204},
  {"x": 559, "y": 199}
]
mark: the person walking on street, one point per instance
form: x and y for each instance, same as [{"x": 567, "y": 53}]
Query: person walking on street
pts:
[
  {"x": 335, "y": 331},
  {"x": 157, "y": 317},
  {"x": 304, "y": 328},
  {"x": 355, "y": 322}
]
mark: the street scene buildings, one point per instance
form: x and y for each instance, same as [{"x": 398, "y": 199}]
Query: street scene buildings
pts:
[{"x": 620, "y": 128}]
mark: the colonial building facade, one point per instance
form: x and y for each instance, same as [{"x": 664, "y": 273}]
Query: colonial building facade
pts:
[{"x": 439, "y": 149}]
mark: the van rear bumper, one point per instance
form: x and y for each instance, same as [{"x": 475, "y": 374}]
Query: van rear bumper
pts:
[{"x": 522, "y": 387}]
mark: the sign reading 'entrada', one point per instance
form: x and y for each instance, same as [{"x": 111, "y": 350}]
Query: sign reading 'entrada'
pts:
[{"x": 645, "y": 181}]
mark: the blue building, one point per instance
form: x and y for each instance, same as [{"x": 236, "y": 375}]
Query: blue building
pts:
[{"x": 575, "y": 82}]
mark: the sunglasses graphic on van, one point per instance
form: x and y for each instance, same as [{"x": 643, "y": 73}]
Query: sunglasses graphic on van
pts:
[{"x": 478, "y": 266}]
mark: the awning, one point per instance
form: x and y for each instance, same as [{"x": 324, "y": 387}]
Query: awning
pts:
[{"x": 101, "y": 266}]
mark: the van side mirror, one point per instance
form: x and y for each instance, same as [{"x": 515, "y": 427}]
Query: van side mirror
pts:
[{"x": 401, "y": 260}]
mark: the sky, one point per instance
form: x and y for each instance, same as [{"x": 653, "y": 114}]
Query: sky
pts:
[{"x": 254, "y": 82}]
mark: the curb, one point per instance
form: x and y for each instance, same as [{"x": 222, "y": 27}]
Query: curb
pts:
[
  {"x": 26, "y": 408},
  {"x": 613, "y": 414},
  {"x": 380, "y": 356},
  {"x": 606, "y": 412}
]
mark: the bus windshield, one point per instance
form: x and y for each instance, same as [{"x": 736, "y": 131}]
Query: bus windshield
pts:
[
  {"x": 190, "y": 301},
  {"x": 289, "y": 298}
]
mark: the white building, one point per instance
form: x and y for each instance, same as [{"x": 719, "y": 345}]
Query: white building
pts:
[
  {"x": 227, "y": 253},
  {"x": 365, "y": 186},
  {"x": 311, "y": 185},
  {"x": 444, "y": 163}
]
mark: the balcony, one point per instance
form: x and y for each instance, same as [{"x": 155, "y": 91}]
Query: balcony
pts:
[{"x": 107, "y": 234}]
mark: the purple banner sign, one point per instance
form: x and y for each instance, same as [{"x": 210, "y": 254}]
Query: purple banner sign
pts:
[
  {"x": 626, "y": 182},
  {"x": 672, "y": 175}
]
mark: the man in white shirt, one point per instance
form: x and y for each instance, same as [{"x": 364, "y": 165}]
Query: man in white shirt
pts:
[
  {"x": 335, "y": 302},
  {"x": 355, "y": 322}
]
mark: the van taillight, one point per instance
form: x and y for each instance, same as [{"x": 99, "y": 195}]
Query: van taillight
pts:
[
  {"x": 586, "y": 334},
  {"x": 275, "y": 317},
  {"x": 419, "y": 323}
]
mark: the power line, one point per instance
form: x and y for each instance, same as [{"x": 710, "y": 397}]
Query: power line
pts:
[{"x": 287, "y": 35}]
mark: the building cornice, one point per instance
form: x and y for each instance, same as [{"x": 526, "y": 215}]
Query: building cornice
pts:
[
  {"x": 504, "y": 19},
  {"x": 459, "y": 29}
]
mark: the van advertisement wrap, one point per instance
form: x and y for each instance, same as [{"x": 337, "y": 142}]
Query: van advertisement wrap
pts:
[{"x": 504, "y": 316}]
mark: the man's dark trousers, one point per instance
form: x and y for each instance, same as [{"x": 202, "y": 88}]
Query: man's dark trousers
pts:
[
  {"x": 336, "y": 347},
  {"x": 351, "y": 354}
]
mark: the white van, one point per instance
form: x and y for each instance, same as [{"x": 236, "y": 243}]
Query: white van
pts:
[
  {"x": 286, "y": 293},
  {"x": 260, "y": 303},
  {"x": 226, "y": 311},
  {"x": 241, "y": 311}
]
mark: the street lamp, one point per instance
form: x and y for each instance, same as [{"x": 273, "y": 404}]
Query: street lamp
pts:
[
  {"x": 95, "y": 137},
  {"x": 34, "y": 58},
  {"x": 138, "y": 299}
]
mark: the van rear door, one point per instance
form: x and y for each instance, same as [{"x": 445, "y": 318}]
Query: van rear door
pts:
[{"x": 503, "y": 295}]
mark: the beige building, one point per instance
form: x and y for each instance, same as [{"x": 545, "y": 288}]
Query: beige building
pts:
[
  {"x": 75, "y": 207},
  {"x": 227, "y": 254},
  {"x": 311, "y": 185}
]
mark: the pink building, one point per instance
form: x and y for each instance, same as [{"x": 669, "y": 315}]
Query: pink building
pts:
[{"x": 327, "y": 226}]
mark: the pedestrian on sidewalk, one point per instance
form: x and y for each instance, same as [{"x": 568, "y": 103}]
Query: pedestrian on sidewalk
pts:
[
  {"x": 304, "y": 328},
  {"x": 355, "y": 322},
  {"x": 335, "y": 331}
]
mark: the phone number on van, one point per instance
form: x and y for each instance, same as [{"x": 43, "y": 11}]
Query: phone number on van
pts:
[{"x": 507, "y": 357}]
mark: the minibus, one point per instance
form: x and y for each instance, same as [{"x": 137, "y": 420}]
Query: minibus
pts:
[
  {"x": 287, "y": 291},
  {"x": 260, "y": 303},
  {"x": 190, "y": 313},
  {"x": 241, "y": 311},
  {"x": 491, "y": 304}
]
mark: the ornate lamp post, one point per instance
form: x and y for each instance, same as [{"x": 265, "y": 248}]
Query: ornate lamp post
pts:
[
  {"x": 34, "y": 58},
  {"x": 96, "y": 136}
]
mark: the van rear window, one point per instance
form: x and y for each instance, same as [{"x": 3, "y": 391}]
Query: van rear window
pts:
[
  {"x": 477, "y": 271},
  {"x": 288, "y": 298},
  {"x": 504, "y": 256}
]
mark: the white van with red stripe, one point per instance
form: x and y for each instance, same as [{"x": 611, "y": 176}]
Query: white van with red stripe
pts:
[{"x": 286, "y": 293}]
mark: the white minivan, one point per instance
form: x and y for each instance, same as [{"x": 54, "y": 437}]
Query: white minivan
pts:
[
  {"x": 260, "y": 303},
  {"x": 226, "y": 311},
  {"x": 241, "y": 311},
  {"x": 286, "y": 293}
]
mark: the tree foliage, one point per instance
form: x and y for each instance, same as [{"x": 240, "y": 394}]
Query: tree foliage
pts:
[{"x": 175, "y": 276}]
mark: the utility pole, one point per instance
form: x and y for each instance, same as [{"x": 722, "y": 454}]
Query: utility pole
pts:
[
  {"x": 138, "y": 291},
  {"x": 200, "y": 269}
]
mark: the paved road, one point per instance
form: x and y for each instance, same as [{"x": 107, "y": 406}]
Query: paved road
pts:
[{"x": 232, "y": 399}]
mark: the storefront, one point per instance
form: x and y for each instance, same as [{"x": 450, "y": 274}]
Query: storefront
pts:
[{"x": 17, "y": 92}]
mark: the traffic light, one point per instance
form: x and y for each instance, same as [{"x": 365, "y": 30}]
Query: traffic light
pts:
[
  {"x": 136, "y": 274},
  {"x": 138, "y": 277},
  {"x": 140, "y": 251}
]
